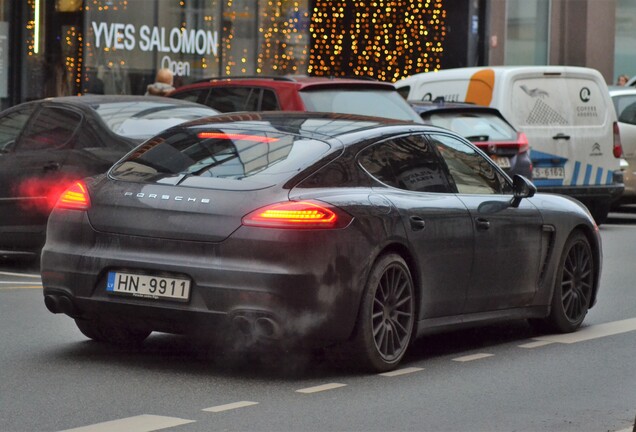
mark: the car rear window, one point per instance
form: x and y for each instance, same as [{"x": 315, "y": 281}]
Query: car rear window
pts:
[
  {"x": 474, "y": 126},
  {"x": 625, "y": 108},
  {"x": 263, "y": 158},
  {"x": 370, "y": 102}
]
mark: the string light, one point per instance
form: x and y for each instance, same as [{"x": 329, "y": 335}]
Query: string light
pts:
[
  {"x": 387, "y": 40},
  {"x": 382, "y": 39}
]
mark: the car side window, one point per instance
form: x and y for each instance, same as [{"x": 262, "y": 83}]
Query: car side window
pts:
[
  {"x": 11, "y": 126},
  {"x": 87, "y": 138},
  {"x": 198, "y": 96},
  {"x": 408, "y": 163},
  {"x": 50, "y": 128},
  {"x": 471, "y": 172},
  {"x": 228, "y": 99},
  {"x": 269, "y": 101},
  {"x": 628, "y": 114}
]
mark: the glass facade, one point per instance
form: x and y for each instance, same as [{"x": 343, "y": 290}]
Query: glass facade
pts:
[
  {"x": 196, "y": 39},
  {"x": 6, "y": 40},
  {"x": 116, "y": 46},
  {"x": 527, "y": 35},
  {"x": 625, "y": 55},
  {"x": 70, "y": 47}
]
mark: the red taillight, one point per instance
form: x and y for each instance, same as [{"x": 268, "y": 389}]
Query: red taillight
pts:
[
  {"x": 522, "y": 142},
  {"x": 618, "y": 148},
  {"x": 75, "y": 197},
  {"x": 298, "y": 215},
  {"x": 520, "y": 145},
  {"x": 236, "y": 136}
]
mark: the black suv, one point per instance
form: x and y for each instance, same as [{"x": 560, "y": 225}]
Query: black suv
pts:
[{"x": 486, "y": 128}]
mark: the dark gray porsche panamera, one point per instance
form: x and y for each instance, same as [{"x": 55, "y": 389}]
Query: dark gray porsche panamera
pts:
[{"x": 353, "y": 232}]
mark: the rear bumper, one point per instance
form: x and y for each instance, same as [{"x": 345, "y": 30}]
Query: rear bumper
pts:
[{"x": 309, "y": 293}]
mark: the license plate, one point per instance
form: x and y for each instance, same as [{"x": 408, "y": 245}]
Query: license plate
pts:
[
  {"x": 548, "y": 173},
  {"x": 502, "y": 161},
  {"x": 151, "y": 287}
]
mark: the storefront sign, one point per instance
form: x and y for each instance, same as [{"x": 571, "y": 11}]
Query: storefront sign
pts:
[
  {"x": 145, "y": 35},
  {"x": 175, "y": 40}
]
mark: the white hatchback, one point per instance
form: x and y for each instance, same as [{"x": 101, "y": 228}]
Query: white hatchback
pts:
[{"x": 624, "y": 99}]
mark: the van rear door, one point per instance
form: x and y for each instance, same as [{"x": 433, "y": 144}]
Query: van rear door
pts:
[{"x": 569, "y": 127}]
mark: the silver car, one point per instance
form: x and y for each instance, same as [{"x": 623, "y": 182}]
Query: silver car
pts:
[{"x": 624, "y": 99}]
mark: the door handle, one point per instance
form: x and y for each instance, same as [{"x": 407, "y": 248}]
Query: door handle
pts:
[
  {"x": 51, "y": 166},
  {"x": 417, "y": 223},
  {"x": 561, "y": 136},
  {"x": 482, "y": 224}
]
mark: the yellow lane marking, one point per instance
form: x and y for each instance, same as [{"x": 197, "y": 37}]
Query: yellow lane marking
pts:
[{"x": 7, "y": 288}]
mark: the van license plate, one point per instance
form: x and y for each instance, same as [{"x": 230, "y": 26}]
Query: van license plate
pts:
[
  {"x": 151, "y": 287},
  {"x": 550, "y": 173}
]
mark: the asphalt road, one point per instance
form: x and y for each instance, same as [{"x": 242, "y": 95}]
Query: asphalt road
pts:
[{"x": 497, "y": 378}]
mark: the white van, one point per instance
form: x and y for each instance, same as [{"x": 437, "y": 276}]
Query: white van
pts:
[{"x": 565, "y": 112}]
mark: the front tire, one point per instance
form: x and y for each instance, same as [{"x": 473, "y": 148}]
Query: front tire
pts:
[
  {"x": 116, "y": 335},
  {"x": 386, "y": 317},
  {"x": 573, "y": 286}
]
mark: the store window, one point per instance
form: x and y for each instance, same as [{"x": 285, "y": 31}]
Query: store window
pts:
[
  {"x": 527, "y": 24},
  {"x": 126, "y": 42},
  {"x": 625, "y": 56}
]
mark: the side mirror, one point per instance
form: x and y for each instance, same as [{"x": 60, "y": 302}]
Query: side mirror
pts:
[{"x": 521, "y": 188}]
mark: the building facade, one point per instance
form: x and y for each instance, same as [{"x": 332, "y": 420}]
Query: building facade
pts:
[{"x": 67, "y": 47}]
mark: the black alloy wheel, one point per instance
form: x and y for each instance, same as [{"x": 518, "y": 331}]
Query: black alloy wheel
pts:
[
  {"x": 387, "y": 315},
  {"x": 574, "y": 285}
]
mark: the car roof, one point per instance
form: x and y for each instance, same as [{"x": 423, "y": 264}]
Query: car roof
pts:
[
  {"x": 91, "y": 99},
  {"x": 621, "y": 90},
  {"x": 316, "y": 125},
  {"x": 300, "y": 82},
  {"x": 422, "y": 107}
]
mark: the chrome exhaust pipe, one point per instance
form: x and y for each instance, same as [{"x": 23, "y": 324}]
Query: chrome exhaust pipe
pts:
[
  {"x": 267, "y": 327},
  {"x": 243, "y": 325},
  {"x": 52, "y": 303}
]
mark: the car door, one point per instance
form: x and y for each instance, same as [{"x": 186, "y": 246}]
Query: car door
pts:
[
  {"x": 12, "y": 123},
  {"x": 438, "y": 225},
  {"x": 507, "y": 245},
  {"x": 31, "y": 171}
]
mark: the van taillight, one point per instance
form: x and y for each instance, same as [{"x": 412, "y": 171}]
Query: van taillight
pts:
[
  {"x": 618, "y": 148},
  {"x": 75, "y": 197}
]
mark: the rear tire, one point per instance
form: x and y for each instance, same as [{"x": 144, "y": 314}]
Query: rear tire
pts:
[
  {"x": 116, "y": 335},
  {"x": 573, "y": 287},
  {"x": 386, "y": 317}
]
